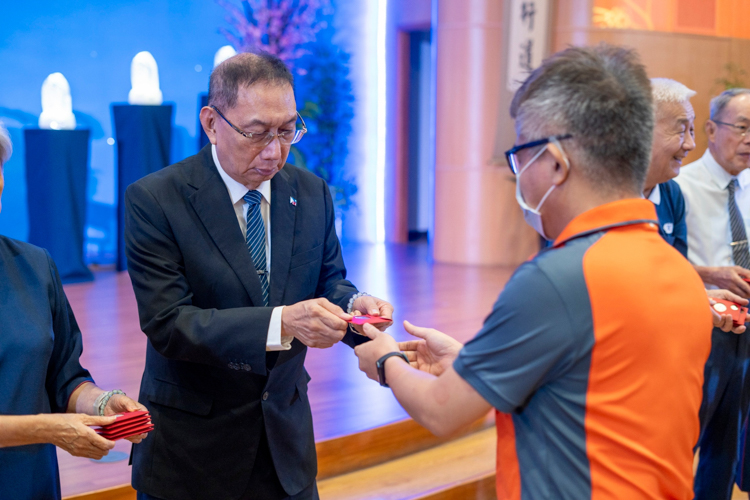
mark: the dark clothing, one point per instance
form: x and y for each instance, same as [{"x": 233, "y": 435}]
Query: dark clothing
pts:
[
  {"x": 309, "y": 493},
  {"x": 212, "y": 390},
  {"x": 722, "y": 412},
  {"x": 40, "y": 345},
  {"x": 671, "y": 214}
]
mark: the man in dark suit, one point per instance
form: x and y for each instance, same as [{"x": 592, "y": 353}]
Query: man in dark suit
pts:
[{"x": 217, "y": 245}]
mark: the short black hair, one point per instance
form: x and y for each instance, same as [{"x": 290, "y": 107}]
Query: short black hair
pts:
[{"x": 245, "y": 69}]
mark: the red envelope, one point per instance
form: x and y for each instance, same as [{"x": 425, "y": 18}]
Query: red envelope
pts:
[
  {"x": 128, "y": 433},
  {"x": 121, "y": 422},
  {"x": 124, "y": 417},
  {"x": 738, "y": 312},
  {"x": 125, "y": 427},
  {"x": 373, "y": 320}
]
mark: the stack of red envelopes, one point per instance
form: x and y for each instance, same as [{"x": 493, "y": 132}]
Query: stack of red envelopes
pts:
[{"x": 127, "y": 425}]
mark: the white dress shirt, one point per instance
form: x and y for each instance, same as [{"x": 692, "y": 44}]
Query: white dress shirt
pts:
[
  {"x": 237, "y": 191},
  {"x": 704, "y": 186},
  {"x": 655, "y": 196}
]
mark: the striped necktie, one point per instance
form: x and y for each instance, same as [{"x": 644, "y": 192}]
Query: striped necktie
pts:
[
  {"x": 256, "y": 239},
  {"x": 739, "y": 236}
]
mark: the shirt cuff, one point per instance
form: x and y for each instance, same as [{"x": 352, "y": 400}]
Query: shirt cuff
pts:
[{"x": 274, "y": 341}]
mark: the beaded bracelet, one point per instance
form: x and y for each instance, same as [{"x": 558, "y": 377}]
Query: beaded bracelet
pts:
[
  {"x": 101, "y": 401},
  {"x": 353, "y": 299}
]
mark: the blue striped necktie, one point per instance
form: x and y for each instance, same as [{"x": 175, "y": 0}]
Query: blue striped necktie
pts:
[
  {"x": 256, "y": 239},
  {"x": 739, "y": 235}
]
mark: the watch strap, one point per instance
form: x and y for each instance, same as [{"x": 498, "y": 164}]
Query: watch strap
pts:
[{"x": 380, "y": 365}]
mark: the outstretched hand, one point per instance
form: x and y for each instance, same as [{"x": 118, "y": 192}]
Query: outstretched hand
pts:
[
  {"x": 370, "y": 352},
  {"x": 433, "y": 353}
]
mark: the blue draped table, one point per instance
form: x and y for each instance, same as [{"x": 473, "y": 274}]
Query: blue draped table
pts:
[
  {"x": 143, "y": 135},
  {"x": 57, "y": 163}
]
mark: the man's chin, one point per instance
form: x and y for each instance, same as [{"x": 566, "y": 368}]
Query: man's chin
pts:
[{"x": 675, "y": 170}]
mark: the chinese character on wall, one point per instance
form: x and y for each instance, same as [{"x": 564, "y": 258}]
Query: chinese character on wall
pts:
[{"x": 528, "y": 39}]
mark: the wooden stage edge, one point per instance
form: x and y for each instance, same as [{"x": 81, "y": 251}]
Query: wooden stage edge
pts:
[
  {"x": 362, "y": 450},
  {"x": 123, "y": 492}
]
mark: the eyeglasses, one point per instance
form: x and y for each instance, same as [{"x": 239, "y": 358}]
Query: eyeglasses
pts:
[
  {"x": 286, "y": 137},
  {"x": 512, "y": 154},
  {"x": 739, "y": 129}
]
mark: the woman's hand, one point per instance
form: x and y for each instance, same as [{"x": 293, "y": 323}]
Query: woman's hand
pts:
[
  {"x": 71, "y": 432},
  {"x": 120, "y": 403}
]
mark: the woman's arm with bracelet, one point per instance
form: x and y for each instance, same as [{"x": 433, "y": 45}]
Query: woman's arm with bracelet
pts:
[{"x": 70, "y": 431}]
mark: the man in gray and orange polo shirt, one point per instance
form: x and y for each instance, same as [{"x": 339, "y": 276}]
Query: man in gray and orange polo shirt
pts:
[{"x": 593, "y": 354}]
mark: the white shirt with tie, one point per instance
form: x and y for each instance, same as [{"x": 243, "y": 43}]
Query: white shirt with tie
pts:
[
  {"x": 704, "y": 186},
  {"x": 237, "y": 191}
]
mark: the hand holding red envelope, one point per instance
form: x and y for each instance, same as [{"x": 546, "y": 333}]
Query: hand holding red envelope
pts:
[
  {"x": 738, "y": 312},
  {"x": 366, "y": 318},
  {"x": 127, "y": 425}
]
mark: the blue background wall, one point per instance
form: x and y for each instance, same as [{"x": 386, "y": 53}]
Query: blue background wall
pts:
[{"x": 92, "y": 43}]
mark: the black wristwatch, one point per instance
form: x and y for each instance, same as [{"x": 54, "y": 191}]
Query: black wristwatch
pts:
[{"x": 380, "y": 364}]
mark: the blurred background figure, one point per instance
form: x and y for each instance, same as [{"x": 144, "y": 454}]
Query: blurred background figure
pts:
[{"x": 717, "y": 201}]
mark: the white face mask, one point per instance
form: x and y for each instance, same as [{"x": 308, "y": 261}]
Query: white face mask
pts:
[{"x": 533, "y": 216}]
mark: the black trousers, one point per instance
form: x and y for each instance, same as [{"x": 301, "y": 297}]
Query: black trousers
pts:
[
  {"x": 309, "y": 493},
  {"x": 264, "y": 481},
  {"x": 723, "y": 411}
]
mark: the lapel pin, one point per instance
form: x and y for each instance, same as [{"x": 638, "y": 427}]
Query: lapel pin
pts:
[{"x": 293, "y": 201}]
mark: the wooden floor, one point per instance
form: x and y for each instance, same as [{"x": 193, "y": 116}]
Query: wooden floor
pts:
[{"x": 454, "y": 299}]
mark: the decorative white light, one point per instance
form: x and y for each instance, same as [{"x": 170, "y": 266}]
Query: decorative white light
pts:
[
  {"x": 223, "y": 54},
  {"x": 144, "y": 78},
  {"x": 57, "y": 106}
]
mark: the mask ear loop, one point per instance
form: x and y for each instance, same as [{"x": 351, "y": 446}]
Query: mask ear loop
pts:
[
  {"x": 552, "y": 188},
  {"x": 532, "y": 160}
]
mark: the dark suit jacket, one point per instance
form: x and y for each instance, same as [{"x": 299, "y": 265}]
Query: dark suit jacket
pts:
[{"x": 206, "y": 381}]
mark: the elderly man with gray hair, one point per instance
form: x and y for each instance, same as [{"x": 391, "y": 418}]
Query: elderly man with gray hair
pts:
[
  {"x": 717, "y": 199},
  {"x": 674, "y": 138},
  {"x": 592, "y": 357}
]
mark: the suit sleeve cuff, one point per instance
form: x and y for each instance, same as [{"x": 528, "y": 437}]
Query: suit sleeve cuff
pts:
[{"x": 275, "y": 341}]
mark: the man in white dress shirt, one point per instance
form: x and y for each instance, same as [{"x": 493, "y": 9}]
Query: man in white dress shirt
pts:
[{"x": 717, "y": 198}]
